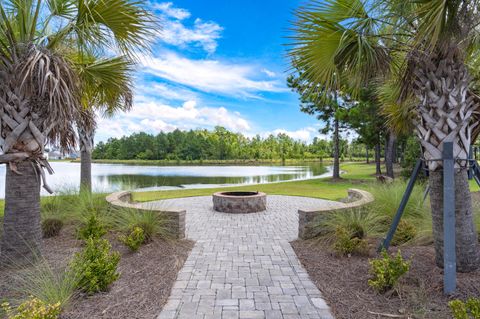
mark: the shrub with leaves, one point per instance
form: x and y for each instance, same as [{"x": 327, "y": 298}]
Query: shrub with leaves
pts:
[
  {"x": 465, "y": 310},
  {"x": 348, "y": 241},
  {"x": 95, "y": 266},
  {"x": 406, "y": 231},
  {"x": 92, "y": 228},
  {"x": 51, "y": 227},
  {"x": 387, "y": 270},
  {"x": 33, "y": 308},
  {"x": 134, "y": 239}
]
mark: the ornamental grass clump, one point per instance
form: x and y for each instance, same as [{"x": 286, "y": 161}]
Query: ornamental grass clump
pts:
[
  {"x": 51, "y": 227},
  {"x": 153, "y": 224},
  {"x": 387, "y": 270},
  {"x": 32, "y": 308},
  {"x": 134, "y": 239},
  {"x": 46, "y": 283},
  {"x": 465, "y": 310},
  {"x": 96, "y": 266}
]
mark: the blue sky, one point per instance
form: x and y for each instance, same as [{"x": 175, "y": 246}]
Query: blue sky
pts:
[{"x": 216, "y": 63}]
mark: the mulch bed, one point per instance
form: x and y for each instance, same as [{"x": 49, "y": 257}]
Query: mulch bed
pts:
[
  {"x": 146, "y": 278},
  {"x": 343, "y": 282}
]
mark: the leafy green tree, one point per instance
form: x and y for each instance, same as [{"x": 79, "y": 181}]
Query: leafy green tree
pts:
[
  {"x": 41, "y": 94},
  {"x": 329, "y": 106},
  {"x": 433, "y": 45}
]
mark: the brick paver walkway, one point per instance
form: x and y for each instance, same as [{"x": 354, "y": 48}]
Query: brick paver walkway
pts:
[{"x": 243, "y": 266}]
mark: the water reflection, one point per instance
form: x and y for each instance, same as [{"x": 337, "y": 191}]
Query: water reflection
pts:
[{"x": 113, "y": 177}]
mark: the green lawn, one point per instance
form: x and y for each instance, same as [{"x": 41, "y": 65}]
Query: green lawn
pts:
[{"x": 356, "y": 175}]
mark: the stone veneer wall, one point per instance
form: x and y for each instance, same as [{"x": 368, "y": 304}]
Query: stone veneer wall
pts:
[
  {"x": 356, "y": 198},
  {"x": 176, "y": 217},
  {"x": 239, "y": 204}
]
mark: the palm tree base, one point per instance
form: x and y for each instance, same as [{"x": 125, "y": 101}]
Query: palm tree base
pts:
[
  {"x": 467, "y": 246},
  {"x": 22, "y": 233}
]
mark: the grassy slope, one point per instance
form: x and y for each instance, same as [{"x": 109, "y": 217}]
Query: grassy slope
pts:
[{"x": 356, "y": 174}]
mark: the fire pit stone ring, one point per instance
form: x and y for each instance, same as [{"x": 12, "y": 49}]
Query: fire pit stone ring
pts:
[{"x": 239, "y": 202}]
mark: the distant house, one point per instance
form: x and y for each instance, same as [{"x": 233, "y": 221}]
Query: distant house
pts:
[{"x": 54, "y": 155}]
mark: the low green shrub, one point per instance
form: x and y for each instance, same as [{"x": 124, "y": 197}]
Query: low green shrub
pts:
[
  {"x": 92, "y": 228},
  {"x": 465, "y": 310},
  {"x": 32, "y": 308},
  {"x": 95, "y": 266},
  {"x": 134, "y": 239},
  {"x": 348, "y": 242},
  {"x": 51, "y": 227},
  {"x": 387, "y": 270},
  {"x": 406, "y": 231}
]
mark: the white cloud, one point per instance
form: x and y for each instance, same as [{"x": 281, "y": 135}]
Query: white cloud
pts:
[
  {"x": 153, "y": 117},
  {"x": 210, "y": 75},
  {"x": 306, "y": 134},
  {"x": 170, "y": 11},
  {"x": 203, "y": 34},
  {"x": 269, "y": 73},
  {"x": 162, "y": 91},
  {"x": 175, "y": 30}
]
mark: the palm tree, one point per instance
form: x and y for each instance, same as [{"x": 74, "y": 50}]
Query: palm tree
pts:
[
  {"x": 41, "y": 93},
  {"x": 107, "y": 90},
  {"x": 433, "y": 42}
]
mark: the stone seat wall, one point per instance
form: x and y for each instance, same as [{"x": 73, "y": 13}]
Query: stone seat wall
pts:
[
  {"x": 356, "y": 198},
  {"x": 176, "y": 217}
]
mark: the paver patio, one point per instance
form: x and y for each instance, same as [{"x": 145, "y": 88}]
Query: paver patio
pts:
[{"x": 242, "y": 265}]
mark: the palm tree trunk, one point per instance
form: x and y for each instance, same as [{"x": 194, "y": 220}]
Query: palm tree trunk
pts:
[
  {"x": 389, "y": 154},
  {"x": 86, "y": 146},
  {"x": 22, "y": 234},
  {"x": 467, "y": 248},
  {"x": 336, "y": 150},
  {"x": 378, "y": 167},
  {"x": 445, "y": 113},
  {"x": 368, "y": 158}
]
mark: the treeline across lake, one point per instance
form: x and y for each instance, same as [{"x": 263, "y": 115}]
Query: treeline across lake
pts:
[{"x": 219, "y": 144}]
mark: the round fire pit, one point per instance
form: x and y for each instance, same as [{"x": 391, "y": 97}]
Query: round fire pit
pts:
[{"x": 239, "y": 202}]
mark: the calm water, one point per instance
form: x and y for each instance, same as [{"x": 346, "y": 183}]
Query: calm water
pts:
[{"x": 114, "y": 177}]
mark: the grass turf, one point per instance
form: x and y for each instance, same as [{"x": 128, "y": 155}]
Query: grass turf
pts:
[{"x": 356, "y": 175}]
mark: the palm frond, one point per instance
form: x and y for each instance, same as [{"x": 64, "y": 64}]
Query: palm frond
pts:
[
  {"x": 334, "y": 39},
  {"x": 126, "y": 22},
  {"x": 107, "y": 84}
]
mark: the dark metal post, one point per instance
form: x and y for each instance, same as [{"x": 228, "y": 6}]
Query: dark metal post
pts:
[
  {"x": 386, "y": 242},
  {"x": 470, "y": 162},
  {"x": 449, "y": 255}
]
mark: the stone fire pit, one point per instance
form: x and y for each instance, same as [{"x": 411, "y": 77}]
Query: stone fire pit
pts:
[{"x": 239, "y": 202}]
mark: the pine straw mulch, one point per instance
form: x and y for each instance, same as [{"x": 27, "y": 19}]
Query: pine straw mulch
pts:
[
  {"x": 146, "y": 278},
  {"x": 343, "y": 283}
]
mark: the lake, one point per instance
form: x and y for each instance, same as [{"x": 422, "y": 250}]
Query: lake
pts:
[{"x": 114, "y": 177}]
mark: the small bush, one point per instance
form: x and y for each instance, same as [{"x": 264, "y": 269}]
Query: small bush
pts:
[
  {"x": 92, "y": 228},
  {"x": 32, "y": 308},
  {"x": 133, "y": 240},
  {"x": 406, "y": 231},
  {"x": 51, "y": 227},
  {"x": 348, "y": 242},
  {"x": 387, "y": 270},
  {"x": 96, "y": 266},
  {"x": 465, "y": 310}
]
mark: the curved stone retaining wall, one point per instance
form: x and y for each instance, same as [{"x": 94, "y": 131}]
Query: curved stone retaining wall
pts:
[
  {"x": 356, "y": 198},
  {"x": 176, "y": 217}
]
